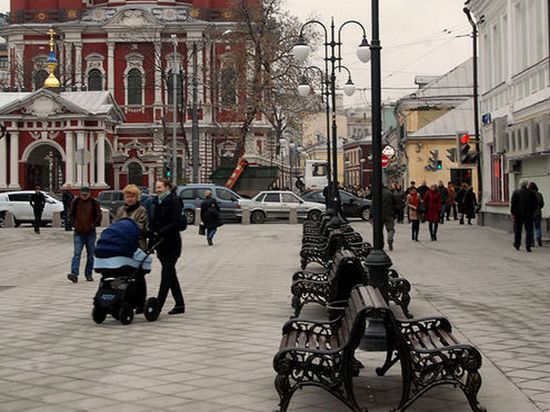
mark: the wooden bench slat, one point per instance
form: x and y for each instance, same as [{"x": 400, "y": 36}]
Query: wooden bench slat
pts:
[{"x": 448, "y": 338}]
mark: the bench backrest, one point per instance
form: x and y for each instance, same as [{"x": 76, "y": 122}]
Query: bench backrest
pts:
[
  {"x": 365, "y": 301},
  {"x": 346, "y": 271}
]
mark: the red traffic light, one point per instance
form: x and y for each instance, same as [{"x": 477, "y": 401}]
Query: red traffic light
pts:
[{"x": 465, "y": 138}]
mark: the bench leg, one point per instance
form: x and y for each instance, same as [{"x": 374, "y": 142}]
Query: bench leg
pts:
[
  {"x": 471, "y": 389},
  {"x": 297, "y": 305},
  {"x": 391, "y": 359},
  {"x": 285, "y": 391}
]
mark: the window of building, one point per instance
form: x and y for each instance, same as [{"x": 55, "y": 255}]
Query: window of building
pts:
[
  {"x": 95, "y": 80},
  {"x": 170, "y": 90},
  {"x": 228, "y": 90},
  {"x": 3, "y": 62},
  {"x": 499, "y": 179},
  {"x": 135, "y": 87},
  {"x": 39, "y": 78}
]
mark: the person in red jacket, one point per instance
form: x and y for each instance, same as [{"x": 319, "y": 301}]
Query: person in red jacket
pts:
[{"x": 432, "y": 202}]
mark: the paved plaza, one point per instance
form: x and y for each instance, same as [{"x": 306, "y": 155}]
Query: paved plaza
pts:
[{"x": 218, "y": 355}]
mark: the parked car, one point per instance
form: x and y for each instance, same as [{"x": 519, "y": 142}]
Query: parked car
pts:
[
  {"x": 111, "y": 200},
  {"x": 352, "y": 206},
  {"x": 277, "y": 204},
  {"x": 193, "y": 195},
  {"x": 18, "y": 203}
]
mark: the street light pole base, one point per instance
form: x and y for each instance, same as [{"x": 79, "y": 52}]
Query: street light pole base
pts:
[{"x": 378, "y": 263}]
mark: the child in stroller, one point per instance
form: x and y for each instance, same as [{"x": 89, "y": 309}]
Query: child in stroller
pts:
[{"x": 123, "y": 266}]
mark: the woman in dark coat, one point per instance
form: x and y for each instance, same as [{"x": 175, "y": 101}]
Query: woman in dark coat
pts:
[
  {"x": 470, "y": 204},
  {"x": 210, "y": 216},
  {"x": 432, "y": 202},
  {"x": 165, "y": 222},
  {"x": 461, "y": 195}
]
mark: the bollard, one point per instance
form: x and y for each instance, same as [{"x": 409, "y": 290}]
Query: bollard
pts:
[
  {"x": 56, "y": 219},
  {"x": 9, "y": 220},
  {"x": 293, "y": 215},
  {"x": 105, "y": 218},
  {"x": 245, "y": 220},
  {"x": 198, "y": 219}
]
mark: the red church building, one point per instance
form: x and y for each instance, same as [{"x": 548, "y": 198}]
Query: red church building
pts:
[{"x": 114, "y": 109}]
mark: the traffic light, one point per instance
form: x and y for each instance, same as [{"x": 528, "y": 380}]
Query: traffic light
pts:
[
  {"x": 168, "y": 172},
  {"x": 465, "y": 155},
  {"x": 434, "y": 164},
  {"x": 451, "y": 154}
]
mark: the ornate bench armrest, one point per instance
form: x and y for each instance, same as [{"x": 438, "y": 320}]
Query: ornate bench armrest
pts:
[
  {"x": 310, "y": 275},
  {"x": 470, "y": 356}
]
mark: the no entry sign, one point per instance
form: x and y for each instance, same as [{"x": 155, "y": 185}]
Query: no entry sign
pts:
[{"x": 385, "y": 160}]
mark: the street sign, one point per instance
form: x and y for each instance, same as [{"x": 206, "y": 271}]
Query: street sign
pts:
[
  {"x": 385, "y": 160},
  {"x": 82, "y": 157},
  {"x": 389, "y": 151}
]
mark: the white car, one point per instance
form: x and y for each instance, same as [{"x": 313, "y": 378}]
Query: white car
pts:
[
  {"x": 18, "y": 203},
  {"x": 276, "y": 204}
]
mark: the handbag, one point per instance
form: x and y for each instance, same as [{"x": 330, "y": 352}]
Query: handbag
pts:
[
  {"x": 421, "y": 207},
  {"x": 202, "y": 229}
]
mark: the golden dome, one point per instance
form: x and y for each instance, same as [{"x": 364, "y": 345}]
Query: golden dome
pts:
[{"x": 51, "y": 82}]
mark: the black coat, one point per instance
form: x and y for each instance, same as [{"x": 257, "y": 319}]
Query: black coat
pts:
[
  {"x": 67, "y": 199},
  {"x": 524, "y": 203},
  {"x": 38, "y": 201},
  {"x": 469, "y": 204},
  {"x": 166, "y": 217},
  {"x": 210, "y": 213}
]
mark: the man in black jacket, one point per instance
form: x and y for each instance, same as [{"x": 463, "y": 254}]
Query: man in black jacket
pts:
[
  {"x": 38, "y": 201},
  {"x": 67, "y": 198},
  {"x": 524, "y": 206}
]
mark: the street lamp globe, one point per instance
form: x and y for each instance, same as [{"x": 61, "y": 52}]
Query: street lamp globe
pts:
[
  {"x": 349, "y": 88},
  {"x": 304, "y": 89},
  {"x": 282, "y": 141},
  {"x": 301, "y": 50},
  {"x": 363, "y": 51},
  {"x": 292, "y": 145}
]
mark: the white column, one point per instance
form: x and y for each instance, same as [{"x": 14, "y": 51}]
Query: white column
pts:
[
  {"x": 91, "y": 141},
  {"x": 101, "y": 159},
  {"x": 79, "y": 169},
  {"x": 111, "y": 67},
  {"x": 69, "y": 59},
  {"x": 3, "y": 164},
  {"x": 158, "y": 73},
  {"x": 14, "y": 161},
  {"x": 78, "y": 65},
  {"x": 151, "y": 179},
  {"x": 69, "y": 158}
]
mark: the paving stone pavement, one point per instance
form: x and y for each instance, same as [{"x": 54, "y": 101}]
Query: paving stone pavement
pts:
[{"x": 217, "y": 357}]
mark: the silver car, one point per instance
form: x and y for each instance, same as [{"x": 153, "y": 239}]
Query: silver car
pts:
[{"x": 276, "y": 205}]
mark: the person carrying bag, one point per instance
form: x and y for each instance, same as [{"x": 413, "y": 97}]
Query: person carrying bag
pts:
[{"x": 210, "y": 217}]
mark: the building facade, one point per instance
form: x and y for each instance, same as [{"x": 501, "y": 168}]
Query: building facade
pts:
[
  {"x": 128, "y": 49},
  {"x": 515, "y": 102}
]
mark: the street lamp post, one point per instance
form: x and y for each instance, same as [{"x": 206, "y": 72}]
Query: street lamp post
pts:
[
  {"x": 174, "y": 115},
  {"x": 362, "y": 173},
  {"x": 333, "y": 55}
]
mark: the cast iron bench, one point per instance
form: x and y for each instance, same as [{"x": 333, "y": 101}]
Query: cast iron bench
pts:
[
  {"x": 334, "y": 283},
  {"x": 321, "y": 354},
  {"x": 430, "y": 356}
]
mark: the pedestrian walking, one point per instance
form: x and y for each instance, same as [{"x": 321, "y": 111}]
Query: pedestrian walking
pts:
[
  {"x": 38, "y": 202},
  {"x": 413, "y": 206},
  {"x": 67, "y": 198},
  {"x": 523, "y": 208},
  {"x": 470, "y": 204},
  {"x": 133, "y": 209},
  {"x": 537, "y": 218},
  {"x": 165, "y": 227},
  {"x": 432, "y": 202},
  {"x": 210, "y": 216},
  {"x": 411, "y": 187},
  {"x": 444, "y": 198},
  {"x": 399, "y": 198},
  {"x": 451, "y": 201},
  {"x": 86, "y": 216},
  {"x": 388, "y": 214},
  {"x": 460, "y": 197}
]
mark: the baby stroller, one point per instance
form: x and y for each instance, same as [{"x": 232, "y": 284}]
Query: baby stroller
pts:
[{"x": 123, "y": 266}]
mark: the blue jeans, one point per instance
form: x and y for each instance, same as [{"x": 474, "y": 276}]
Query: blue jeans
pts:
[
  {"x": 537, "y": 220},
  {"x": 79, "y": 242},
  {"x": 210, "y": 233}
]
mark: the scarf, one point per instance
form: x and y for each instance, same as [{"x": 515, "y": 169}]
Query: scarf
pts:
[
  {"x": 414, "y": 200},
  {"x": 131, "y": 208}
]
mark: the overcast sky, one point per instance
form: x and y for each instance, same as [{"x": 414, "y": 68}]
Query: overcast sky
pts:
[{"x": 418, "y": 37}]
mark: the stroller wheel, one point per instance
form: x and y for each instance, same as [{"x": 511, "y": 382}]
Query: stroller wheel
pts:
[
  {"x": 98, "y": 315},
  {"x": 151, "y": 309},
  {"x": 126, "y": 313}
]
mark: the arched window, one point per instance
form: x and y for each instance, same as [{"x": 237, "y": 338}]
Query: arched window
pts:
[
  {"x": 179, "y": 89},
  {"x": 135, "y": 172},
  {"x": 135, "y": 87},
  {"x": 39, "y": 78},
  {"x": 228, "y": 93},
  {"x": 95, "y": 80}
]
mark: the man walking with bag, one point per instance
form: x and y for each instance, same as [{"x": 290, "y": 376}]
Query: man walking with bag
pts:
[
  {"x": 86, "y": 216},
  {"x": 38, "y": 202},
  {"x": 210, "y": 216}
]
